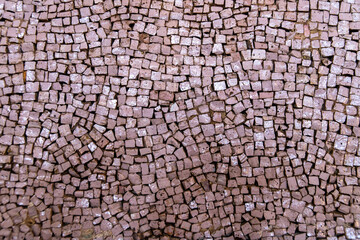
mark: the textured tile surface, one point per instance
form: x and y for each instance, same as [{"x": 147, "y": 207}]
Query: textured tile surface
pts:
[{"x": 195, "y": 119}]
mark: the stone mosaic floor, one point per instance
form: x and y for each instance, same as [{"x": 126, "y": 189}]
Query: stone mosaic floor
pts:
[{"x": 194, "y": 119}]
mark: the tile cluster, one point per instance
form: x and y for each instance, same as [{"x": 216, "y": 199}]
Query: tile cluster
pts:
[{"x": 179, "y": 119}]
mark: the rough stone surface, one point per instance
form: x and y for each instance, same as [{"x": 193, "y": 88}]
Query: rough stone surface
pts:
[{"x": 179, "y": 119}]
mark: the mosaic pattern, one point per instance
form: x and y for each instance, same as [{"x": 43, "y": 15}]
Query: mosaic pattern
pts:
[{"x": 194, "y": 119}]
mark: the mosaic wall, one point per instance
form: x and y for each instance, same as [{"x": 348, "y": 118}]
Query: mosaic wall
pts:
[{"x": 194, "y": 119}]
